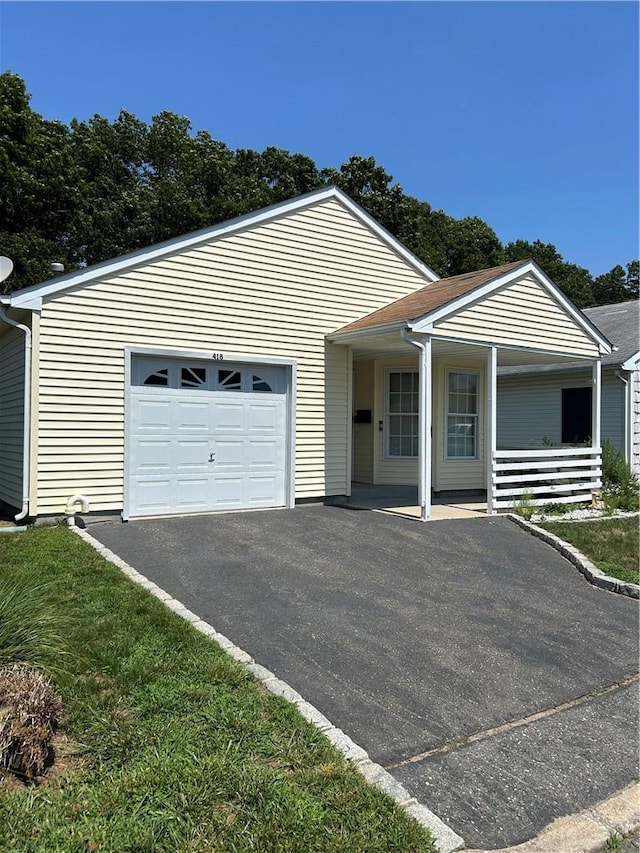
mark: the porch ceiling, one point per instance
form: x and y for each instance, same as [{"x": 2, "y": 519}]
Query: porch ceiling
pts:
[{"x": 391, "y": 345}]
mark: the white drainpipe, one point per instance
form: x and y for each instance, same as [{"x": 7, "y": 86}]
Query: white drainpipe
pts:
[
  {"x": 627, "y": 410},
  {"x": 26, "y": 446}
]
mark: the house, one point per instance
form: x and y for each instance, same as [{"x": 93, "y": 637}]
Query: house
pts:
[
  {"x": 552, "y": 403},
  {"x": 270, "y": 359}
]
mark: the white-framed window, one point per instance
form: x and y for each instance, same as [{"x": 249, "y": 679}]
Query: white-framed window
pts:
[
  {"x": 402, "y": 430},
  {"x": 462, "y": 407}
]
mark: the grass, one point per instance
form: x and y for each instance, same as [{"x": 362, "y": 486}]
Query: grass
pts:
[
  {"x": 182, "y": 750},
  {"x": 610, "y": 544}
]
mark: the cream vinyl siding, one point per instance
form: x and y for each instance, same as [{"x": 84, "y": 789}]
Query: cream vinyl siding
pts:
[
  {"x": 390, "y": 471},
  {"x": 363, "y": 434},
  {"x": 273, "y": 290},
  {"x": 530, "y": 409},
  {"x": 519, "y": 314},
  {"x": 456, "y": 474},
  {"x": 11, "y": 415}
]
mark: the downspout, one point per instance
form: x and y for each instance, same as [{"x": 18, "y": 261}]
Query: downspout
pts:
[
  {"x": 26, "y": 446},
  {"x": 627, "y": 424},
  {"x": 424, "y": 473}
]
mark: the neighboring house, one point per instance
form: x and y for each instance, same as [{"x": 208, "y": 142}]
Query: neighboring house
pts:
[
  {"x": 271, "y": 359},
  {"x": 552, "y": 403}
]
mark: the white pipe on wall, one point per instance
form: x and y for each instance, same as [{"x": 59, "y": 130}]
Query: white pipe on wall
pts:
[
  {"x": 26, "y": 440},
  {"x": 628, "y": 428},
  {"x": 70, "y": 510}
]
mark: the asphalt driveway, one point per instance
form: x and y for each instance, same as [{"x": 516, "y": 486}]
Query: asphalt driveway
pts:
[{"x": 410, "y": 636}]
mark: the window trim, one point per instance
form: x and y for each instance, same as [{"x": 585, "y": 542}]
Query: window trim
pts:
[
  {"x": 387, "y": 456},
  {"x": 447, "y": 414}
]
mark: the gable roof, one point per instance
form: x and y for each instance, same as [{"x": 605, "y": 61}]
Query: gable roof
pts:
[
  {"x": 31, "y": 297},
  {"x": 419, "y": 310},
  {"x": 409, "y": 309}
]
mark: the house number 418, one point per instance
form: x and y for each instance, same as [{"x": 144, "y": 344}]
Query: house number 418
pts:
[{"x": 217, "y": 356}]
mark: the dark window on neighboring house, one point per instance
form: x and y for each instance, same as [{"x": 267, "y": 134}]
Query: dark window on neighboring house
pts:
[{"x": 576, "y": 415}]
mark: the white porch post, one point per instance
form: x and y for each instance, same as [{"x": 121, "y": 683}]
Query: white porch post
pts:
[
  {"x": 596, "y": 405},
  {"x": 491, "y": 429},
  {"x": 424, "y": 431}
]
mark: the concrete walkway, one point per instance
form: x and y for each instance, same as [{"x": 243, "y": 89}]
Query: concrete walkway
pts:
[
  {"x": 466, "y": 656},
  {"x": 403, "y": 501}
]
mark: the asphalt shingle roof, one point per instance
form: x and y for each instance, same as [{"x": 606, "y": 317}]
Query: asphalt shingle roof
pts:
[{"x": 428, "y": 298}]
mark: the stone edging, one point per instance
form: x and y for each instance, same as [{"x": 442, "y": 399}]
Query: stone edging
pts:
[
  {"x": 446, "y": 839},
  {"x": 592, "y": 573}
]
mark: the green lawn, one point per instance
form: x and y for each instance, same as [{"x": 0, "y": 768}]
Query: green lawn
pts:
[
  {"x": 610, "y": 544},
  {"x": 181, "y": 749}
]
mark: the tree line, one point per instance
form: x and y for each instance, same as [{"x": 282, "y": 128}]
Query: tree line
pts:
[{"x": 92, "y": 190}]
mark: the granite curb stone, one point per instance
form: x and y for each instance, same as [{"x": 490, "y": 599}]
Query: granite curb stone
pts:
[{"x": 592, "y": 573}]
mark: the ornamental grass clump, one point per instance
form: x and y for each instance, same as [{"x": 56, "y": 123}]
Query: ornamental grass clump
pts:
[
  {"x": 31, "y": 628},
  {"x": 29, "y": 714}
]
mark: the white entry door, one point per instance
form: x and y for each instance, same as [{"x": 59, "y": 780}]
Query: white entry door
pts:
[{"x": 206, "y": 437}]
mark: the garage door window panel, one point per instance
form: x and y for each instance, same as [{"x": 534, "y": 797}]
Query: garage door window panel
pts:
[
  {"x": 193, "y": 377},
  {"x": 229, "y": 380},
  {"x": 159, "y": 378}
]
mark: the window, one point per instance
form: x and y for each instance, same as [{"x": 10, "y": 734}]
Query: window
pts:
[
  {"x": 259, "y": 384},
  {"x": 462, "y": 415},
  {"x": 402, "y": 413},
  {"x": 193, "y": 377},
  {"x": 159, "y": 377},
  {"x": 229, "y": 380},
  {"x": 576, "y": 415}
]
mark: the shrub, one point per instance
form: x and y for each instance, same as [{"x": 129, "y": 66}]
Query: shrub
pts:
[
  {"x": 29, "y": 713},
  {"x": 524, "y": 508},
  {"x": 556, "y": 509},
  {"x": 620, "y": 488}
]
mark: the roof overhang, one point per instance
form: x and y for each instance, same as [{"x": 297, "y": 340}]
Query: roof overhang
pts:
[
  {"x": 28, "y": 297},
  {"x": 631, "y": 363}
]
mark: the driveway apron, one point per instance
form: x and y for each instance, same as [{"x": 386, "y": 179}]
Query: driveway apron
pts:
[{"x": 467, "y": 657}]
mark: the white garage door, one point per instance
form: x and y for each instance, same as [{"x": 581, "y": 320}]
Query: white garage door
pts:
[{"x": 206, "y": 436}]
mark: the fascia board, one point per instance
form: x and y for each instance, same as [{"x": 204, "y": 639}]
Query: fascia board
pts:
[
  {"x": 232, "y": 226},
  {"x": 631, "y": 363},
  {"x": 370, "y": 332},
  {"x": 33, "y": 303},
  {"x": 426, "y": 323}
]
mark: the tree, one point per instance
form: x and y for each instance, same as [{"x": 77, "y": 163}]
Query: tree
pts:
[
  {"x": 38, "y": 186},
  {"x": 617, "y": 285},
  {"x": 576, "y": 282}
]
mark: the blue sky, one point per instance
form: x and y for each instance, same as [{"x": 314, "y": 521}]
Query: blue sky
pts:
[{"x": 522, "y": 113}]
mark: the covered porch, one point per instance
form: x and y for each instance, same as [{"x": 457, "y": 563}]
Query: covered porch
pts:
[{"x": 424, "y": 395}]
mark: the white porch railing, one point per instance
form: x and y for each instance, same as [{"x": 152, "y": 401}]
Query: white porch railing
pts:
[{"x": 550, "y": 475}]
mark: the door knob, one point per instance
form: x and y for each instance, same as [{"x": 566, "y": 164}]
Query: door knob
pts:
[{"x": 212, "y": 457}]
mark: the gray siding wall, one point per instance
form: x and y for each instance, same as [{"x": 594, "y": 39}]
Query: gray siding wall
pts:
[
  {"x": 530, "y": 409},
  {"x": 11, "y": 416}
]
